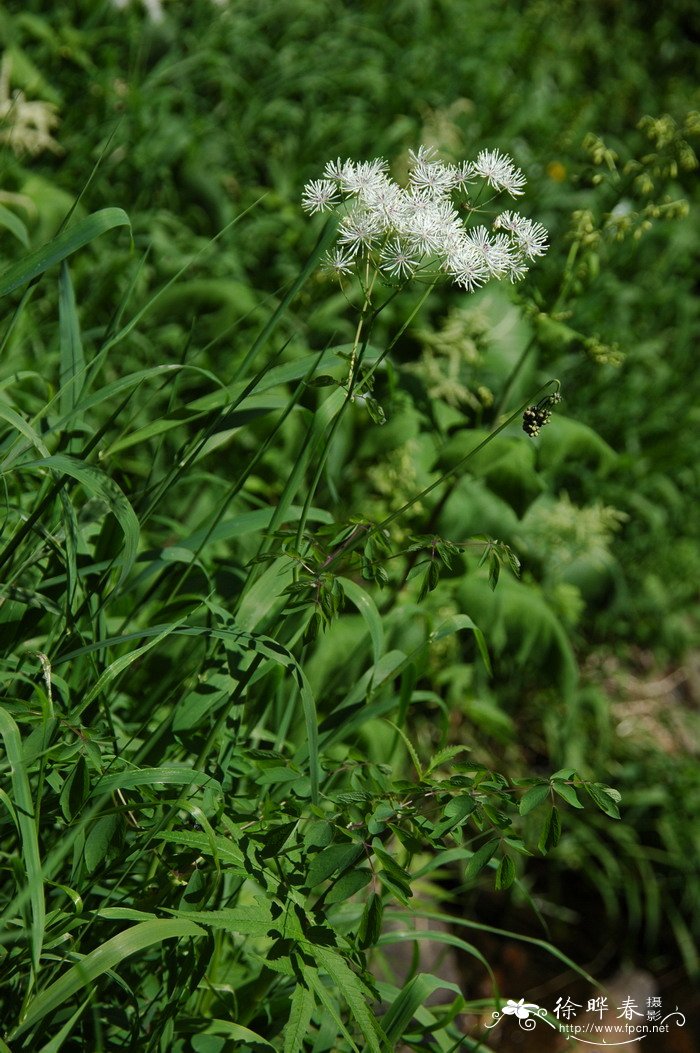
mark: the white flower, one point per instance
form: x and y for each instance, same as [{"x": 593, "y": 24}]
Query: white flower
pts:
[
  {"x": 430, "y": 176},
  {"x": 467, "y": 267},
  {"x": 496, "y": 252},
  {"x": 359, "y": 229},
  {"x": 400, "y": 230},
  {"x": 431, "y": 225},
  {"x": 398, "y": 260},
  {"x": 499, "y": 172},
  {"x": 531, "y": 238},
  {"x": 338, "y": 263},
  {"x": 319, "y": 195},
  {"x": 362, "y": 177}
]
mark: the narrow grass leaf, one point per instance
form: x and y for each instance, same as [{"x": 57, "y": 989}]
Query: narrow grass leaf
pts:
[
  {"x": 462, "y": 621},
  {"x": 368, "y": 609},
  {"x": 101, "y": 960},
  {"x": 129, "y": 780},
  {"x": 403, "y": 1009},
  {"x": 24, "y": 810},
  {"x": 14, "y": 224},
  {"x": 72, "y": 359},
  {"x": 118, "y": 666},
  {"x": 99, "y": 485},
  {"x": 76, "y": 237},
  {"x": 54, "y": 1045}
]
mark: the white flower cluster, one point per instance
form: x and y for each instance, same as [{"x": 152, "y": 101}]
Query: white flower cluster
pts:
[{"x": 416, "y": 230}]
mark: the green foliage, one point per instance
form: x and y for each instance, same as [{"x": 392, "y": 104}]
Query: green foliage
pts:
[{"x": 297, "y": 639}]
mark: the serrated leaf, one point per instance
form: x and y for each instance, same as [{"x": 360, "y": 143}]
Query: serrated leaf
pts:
[
  {"x": 534, "y": 797},
  {"x": 443, "y": 755},
  {"x": 409, "y": 746},
  {"x": 242, "y": 921},
  {"x": 355, "y": 994},
  {"x": 302, "y": 1006}
]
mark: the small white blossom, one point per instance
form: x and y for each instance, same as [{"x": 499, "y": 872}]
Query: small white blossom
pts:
[
  {"x": 495, "y": 251},
  {"x": 467, "y": 267},
  {"x": 430, "y": 176},
  {"x": 363, "y": 177},
  {"x": 339, "y": 263},
  {"x": 499, "y": 172},
  {"x": 319, "y": 195},
  {"x": 358, "y": 230},
  {"x": 398, "y": 259},
  {"x": 530, "y": 237}
]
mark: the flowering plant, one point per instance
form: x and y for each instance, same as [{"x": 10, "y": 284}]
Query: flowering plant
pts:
[{"x": 417, "y": 231}]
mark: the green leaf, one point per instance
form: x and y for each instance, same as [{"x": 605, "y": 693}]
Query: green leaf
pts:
[
  {"x": 235, "y": 1032},
  {"x": 534, "y": 797},
  {"x": 480, "y": 858},
  {"x": 605, "y": 797},
  {"x": 505, "y": 875},
  {"x": 98, "y": 485},
  {"x": 275, "y": 838},
  {"x": 242, "y": 921},
  {"x": 99, "y": 839},
  {"x": 14, "y": 224},
  {"x": 70, "y": 344},
  {"x": 327, "y": 862},
  {"x": 456, "y": 812},
  {"x": 348, "y": 884},
  {"x": 370, "y": 926},
  {"x": 412, "y": 997},
  {"x": 101, "y": 960},
  {"x": 128, "y": 780},
  {"x": 26, "y": 820},
  {"x": 62, "y": 246},
  {"x": 368, "y": 609},
  {"x": 444, "y": 755},
  {"x": 567, "y": 793},
  {"x": 551, "y": 832},
  {"x": 354, "y": 993},
  {"x": 299, "y": 1019},
  {"x": 462, "y": 621}
]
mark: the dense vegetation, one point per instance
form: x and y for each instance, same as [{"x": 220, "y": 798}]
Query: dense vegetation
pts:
[{"x": 309, "y": 651}]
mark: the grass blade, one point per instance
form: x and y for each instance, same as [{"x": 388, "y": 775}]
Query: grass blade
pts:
[
  {"x": 24, "y": 807},
  {"x": 101, "y": 960},
  {"x": 79, "y": 235}
]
